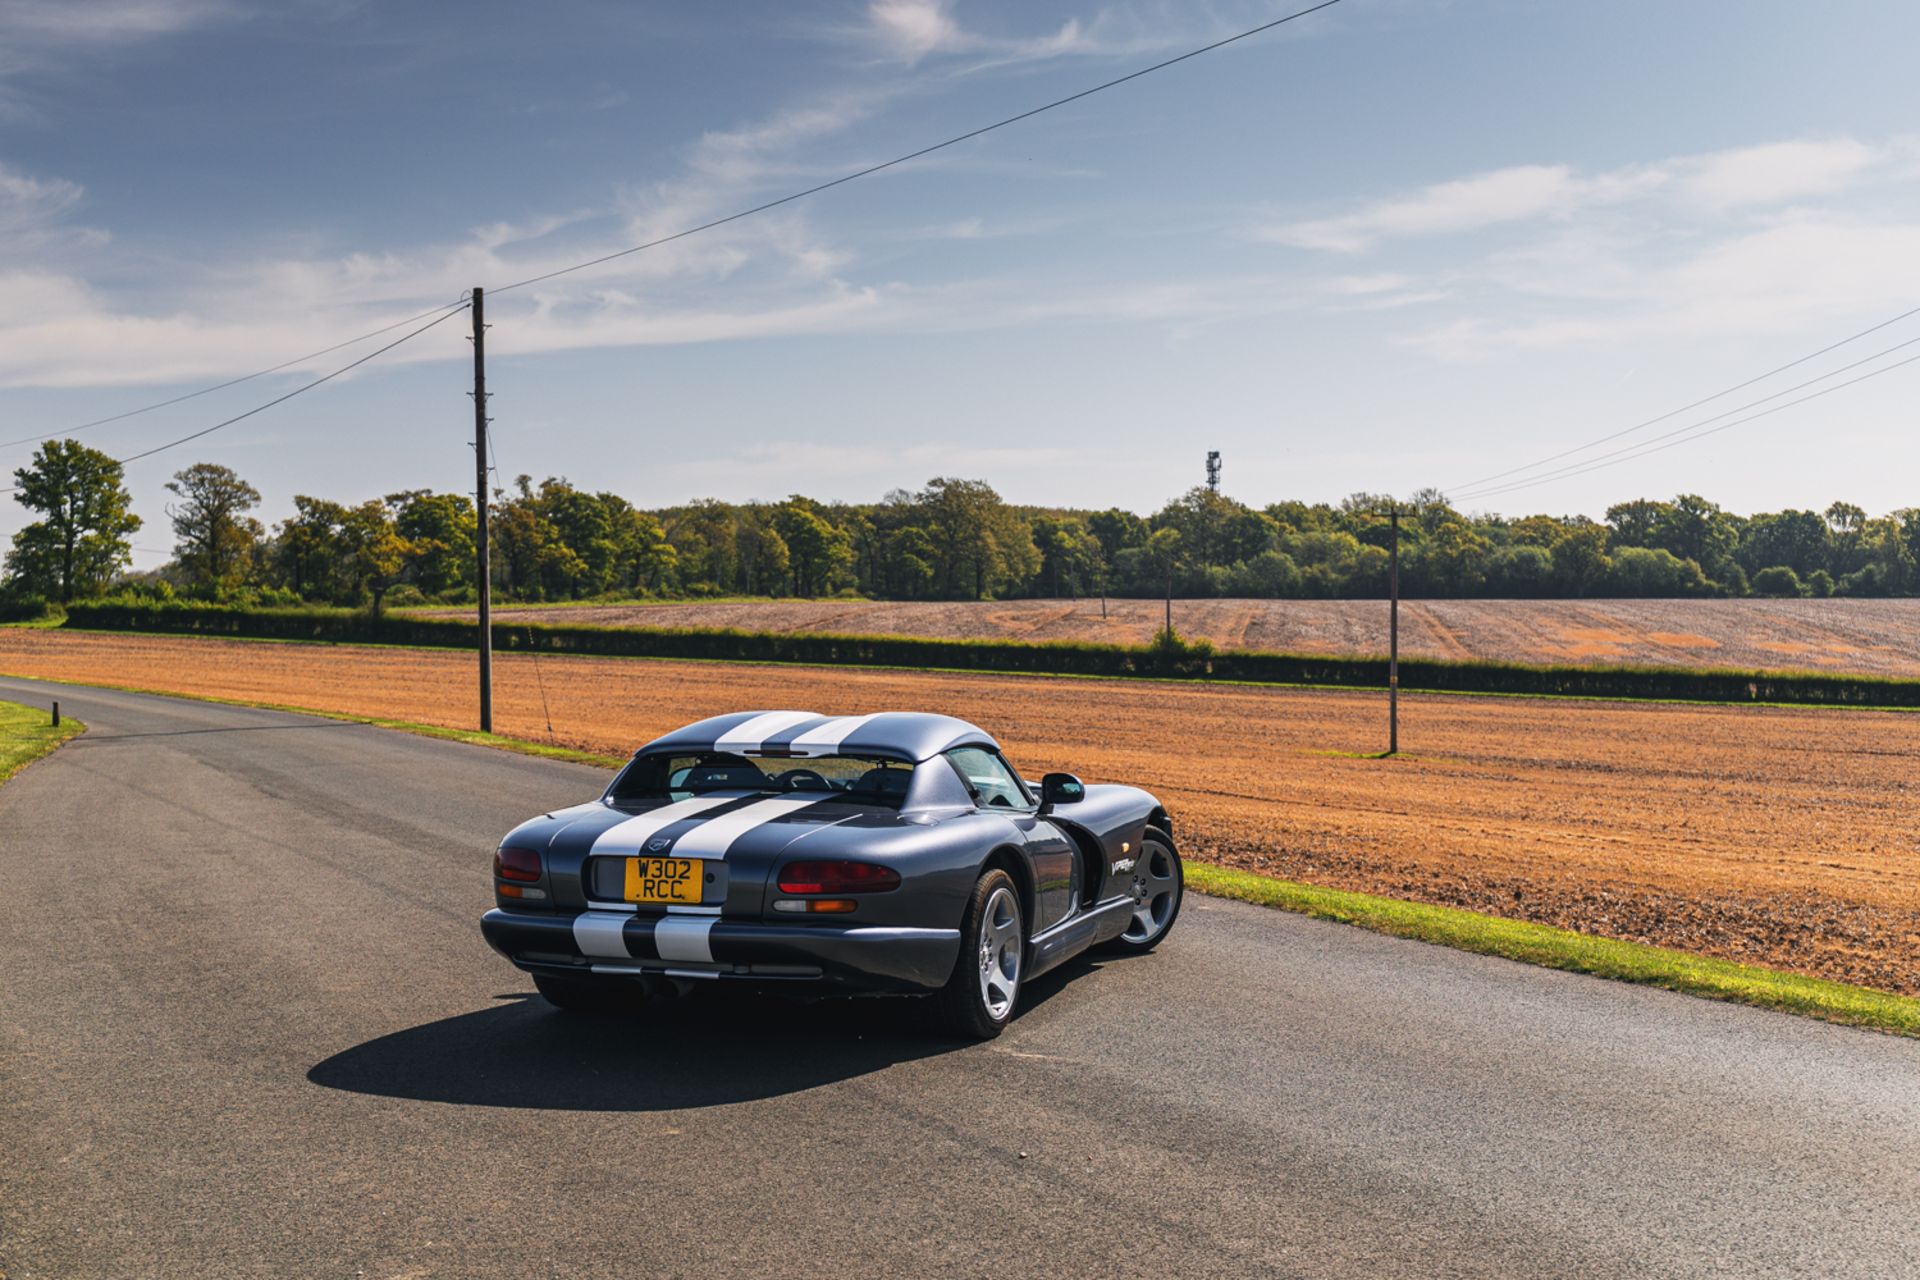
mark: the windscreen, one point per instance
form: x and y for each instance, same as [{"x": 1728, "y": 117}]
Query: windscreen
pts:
[{"x": 852, "y": 779}]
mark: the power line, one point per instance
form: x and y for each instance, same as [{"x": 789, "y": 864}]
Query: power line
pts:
[
  {"x": 923, "y": 151},
  {"x": 241, "y": 417},
  {"x": 681, "y": 235},
  {"x": 1576, "y": 467},
  {"x": 1674, "y": 413},
  {"x": 231, "y": 382},
  {"x": 1644, "y": 450}
]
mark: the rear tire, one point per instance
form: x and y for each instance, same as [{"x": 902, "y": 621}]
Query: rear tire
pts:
[
  {"x": 984, "y": 988},
  {"x": 1158, "y": 886},
  {"x": 585, "y": 995}
]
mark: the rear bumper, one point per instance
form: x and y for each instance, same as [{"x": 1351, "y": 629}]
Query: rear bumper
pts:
[{"x": 856, "y": 957}]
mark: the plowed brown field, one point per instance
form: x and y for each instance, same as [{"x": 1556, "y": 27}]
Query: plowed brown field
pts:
[
  {"x": 1874, "y": 637},
  {"x": 1780, "y": 836}
]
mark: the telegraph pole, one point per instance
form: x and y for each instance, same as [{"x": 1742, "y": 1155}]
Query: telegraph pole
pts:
[
  {"x": 1393, "y": 636},
  {"x": 484, "y": 568}
]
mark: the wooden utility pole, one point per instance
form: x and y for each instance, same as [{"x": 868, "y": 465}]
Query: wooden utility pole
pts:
[
  {"x": 484, "y": 569},
  {"x": 1393, "y": 636}
]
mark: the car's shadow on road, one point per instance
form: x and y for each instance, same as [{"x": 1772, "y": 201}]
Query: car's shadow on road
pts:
[{"x": 717, "y": 1048}]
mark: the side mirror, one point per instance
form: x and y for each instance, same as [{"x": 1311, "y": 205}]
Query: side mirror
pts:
[{"x": 1061, "y": 788}]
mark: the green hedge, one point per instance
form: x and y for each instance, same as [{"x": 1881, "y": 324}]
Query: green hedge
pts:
[{"x": 718, "y": 644}]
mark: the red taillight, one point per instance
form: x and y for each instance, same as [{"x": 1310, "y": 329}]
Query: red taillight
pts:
[
  {"x": 837, "y": 877},
  {"x": 517, "y": 864}
]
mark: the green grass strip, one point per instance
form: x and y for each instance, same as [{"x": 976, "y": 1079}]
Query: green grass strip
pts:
[
  {"x": 27, "y": 733},
  {"x": 1575, "y": 952}
]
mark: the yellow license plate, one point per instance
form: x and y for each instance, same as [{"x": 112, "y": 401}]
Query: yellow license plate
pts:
[{"x": 676, "y": 880}]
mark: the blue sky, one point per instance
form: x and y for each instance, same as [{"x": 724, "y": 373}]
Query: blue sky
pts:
[{"x": 1399, "y": 243}]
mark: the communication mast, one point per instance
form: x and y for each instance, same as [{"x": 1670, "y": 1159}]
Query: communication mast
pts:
[{"x": 1213, "y": 470}]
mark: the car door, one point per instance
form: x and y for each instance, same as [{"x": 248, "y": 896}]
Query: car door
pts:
[{"x": 996, "y": 789}]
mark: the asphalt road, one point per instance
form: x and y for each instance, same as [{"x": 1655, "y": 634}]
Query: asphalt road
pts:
[{"x": 248, "y": 1028}]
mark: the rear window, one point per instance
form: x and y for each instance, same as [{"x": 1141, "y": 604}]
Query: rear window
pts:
[{"x": 853, "y": 779}]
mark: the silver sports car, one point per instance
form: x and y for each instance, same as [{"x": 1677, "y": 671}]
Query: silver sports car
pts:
[{"x": 896, "y": 852}]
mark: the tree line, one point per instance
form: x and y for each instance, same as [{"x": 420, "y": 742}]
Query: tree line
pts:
[{"x": 953, "y": 539}]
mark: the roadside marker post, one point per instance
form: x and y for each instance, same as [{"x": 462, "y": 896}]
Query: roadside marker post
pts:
[{"x": 56, "y": 715}]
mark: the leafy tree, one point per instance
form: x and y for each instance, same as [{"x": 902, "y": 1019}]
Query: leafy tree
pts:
[
  {"x": 1271, "y": 575},
  {"x": 1214, "y": 529},
  {"x": 1117, "y": 530},
  {"x": 645, "y": 559},
  {"x": 1847, "y": 524},
  {"x": 1776, "y": 580},
  {"x": 376, "y": 554},
  {"x": 704, "y": 536},
  {"x": 1536, "y": 531},
  {"x": 307, "y": 557},
  {"x": 763, "y": 555},
  {"x": 1071, "y": 558},
  {"x": 80, "y": 541},
  {"x": 1638, "y": 523},
  {"x": 1453, "y": 560},
  {"x": 817, "y": 551},
  {"x": 439, "y": 530},
  {"x": 1694, "y": 529},
  {"x": 1653, "y": 572},
  {"x": 1521, "y": 571},
  {"x": 1798, "y": 540},
  {"x": 215, "y": 539},
  {"x": 979, "y": 543},
  {"x": 1580, "y": 557}
]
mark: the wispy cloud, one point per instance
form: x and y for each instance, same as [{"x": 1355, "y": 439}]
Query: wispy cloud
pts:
[
  {"x": 912, "y": 31},
  {"x": 48, "y": 24},
  {"x": 1807, "y": 268},
  {"x": 1777, "y": 172},
  {"x": 1718, "y": 182},
  {"x": 1758, "y": 239},
  {"x": 29, "y": 204},
  {"x": 1520, "y": 193},
  {"x": 46, "y": 35}
]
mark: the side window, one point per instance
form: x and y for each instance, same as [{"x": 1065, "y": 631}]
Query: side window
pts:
[{"x": 988, "y": 778}]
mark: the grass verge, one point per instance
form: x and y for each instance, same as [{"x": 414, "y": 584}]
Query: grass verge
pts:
[
  {"x": 1575, "y": 952},
  {"x": 27, "y": 733}
]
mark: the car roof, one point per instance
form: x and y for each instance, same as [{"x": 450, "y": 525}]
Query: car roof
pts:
[{"x": 910, "y": 735}]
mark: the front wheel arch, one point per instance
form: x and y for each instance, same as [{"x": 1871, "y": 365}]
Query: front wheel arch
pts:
[{"x": 1143, "y": 934}]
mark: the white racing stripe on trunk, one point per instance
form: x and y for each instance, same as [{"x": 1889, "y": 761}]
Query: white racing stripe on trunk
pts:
[
  {"x": 676, "y": 936},
  {"x": 712, "y": 838},
  {"x": 824, "y": 740},
  {"x": 629, "y": 836},
  {"x": 683, "y": 938},
  {"x": 749, "y": 734},
  {"x": 602, "y": 935}
]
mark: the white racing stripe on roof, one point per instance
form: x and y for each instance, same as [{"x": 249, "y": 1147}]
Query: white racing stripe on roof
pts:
[
  {"x": 825, "y": 739},
  {"x": 712, "y": 838},
  {"x": 631, "y": 835},
  {"x": 749, "y": 734}
]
